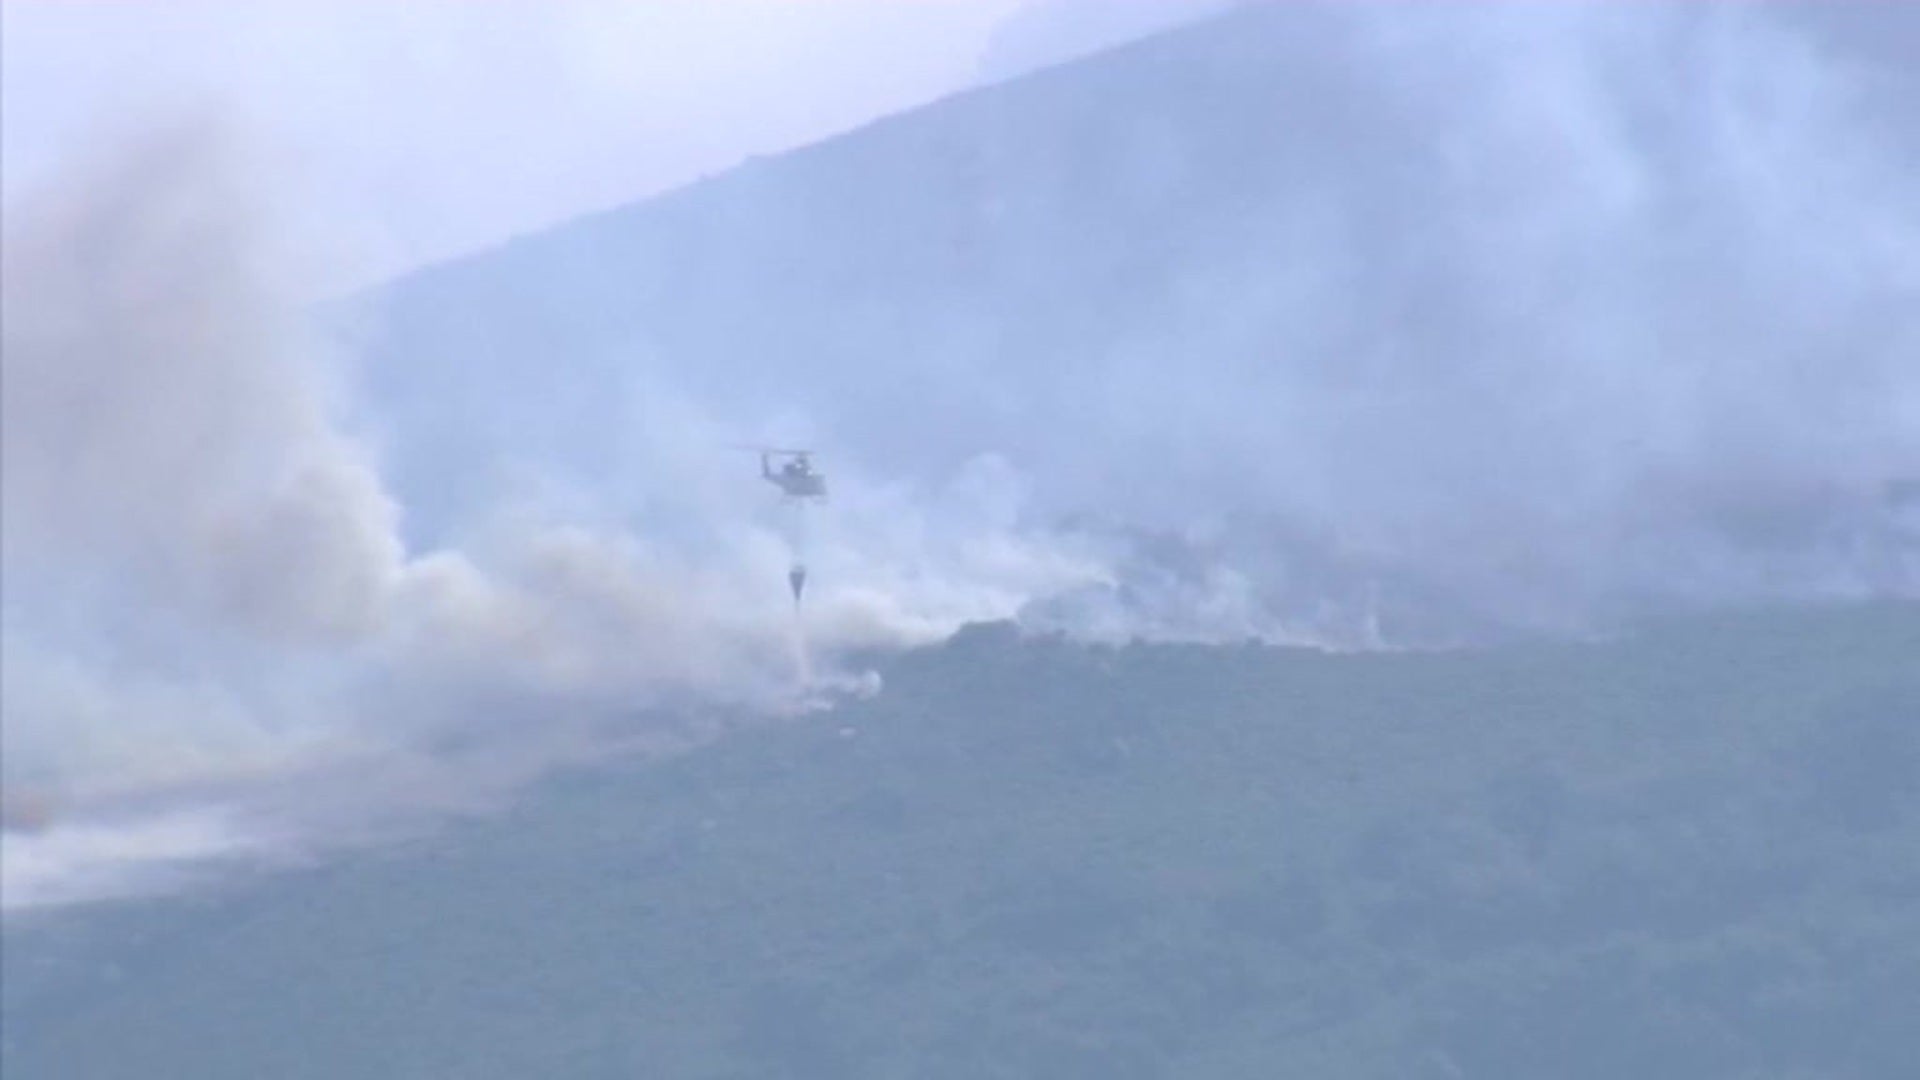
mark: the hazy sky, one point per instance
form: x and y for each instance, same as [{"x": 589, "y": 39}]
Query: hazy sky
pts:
[{"x": 411, "y": 130}]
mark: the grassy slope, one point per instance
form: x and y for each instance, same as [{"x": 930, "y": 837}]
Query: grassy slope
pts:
[{"x": 1696, "y": 853}]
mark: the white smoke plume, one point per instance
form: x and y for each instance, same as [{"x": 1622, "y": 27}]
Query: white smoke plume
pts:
[{"x": 209, "y": 607}]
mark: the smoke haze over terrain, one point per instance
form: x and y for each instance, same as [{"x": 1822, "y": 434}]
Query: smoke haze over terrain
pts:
[
  {"x": 206, "y": 579},
  {"x": 1536, "y": 313},
  {"x": 1510, "y": 316}
]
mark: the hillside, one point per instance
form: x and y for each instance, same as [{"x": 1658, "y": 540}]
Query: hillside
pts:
[
  {"x": 976, "y": 258},
  {"x": 1692, "y": 853},
  {"x": 1536, "y": 310}
]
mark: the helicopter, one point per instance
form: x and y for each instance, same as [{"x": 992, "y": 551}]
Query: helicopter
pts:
[
  {"x": 796, "y": 477},
  {"x": 798, "y": 481}
]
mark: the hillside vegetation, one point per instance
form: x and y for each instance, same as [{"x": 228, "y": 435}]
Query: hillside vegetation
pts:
[{"x": 1694, "y": 852}]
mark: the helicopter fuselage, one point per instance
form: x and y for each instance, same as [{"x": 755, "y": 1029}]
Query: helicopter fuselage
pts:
[{"x": 796, "y": 478}]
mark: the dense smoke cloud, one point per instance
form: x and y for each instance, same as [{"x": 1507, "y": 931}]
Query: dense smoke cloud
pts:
[
  {"x": 1577, "y": 305},
  {"x": 209, "y": 598},
  {"x": 161, "y": 416}
]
